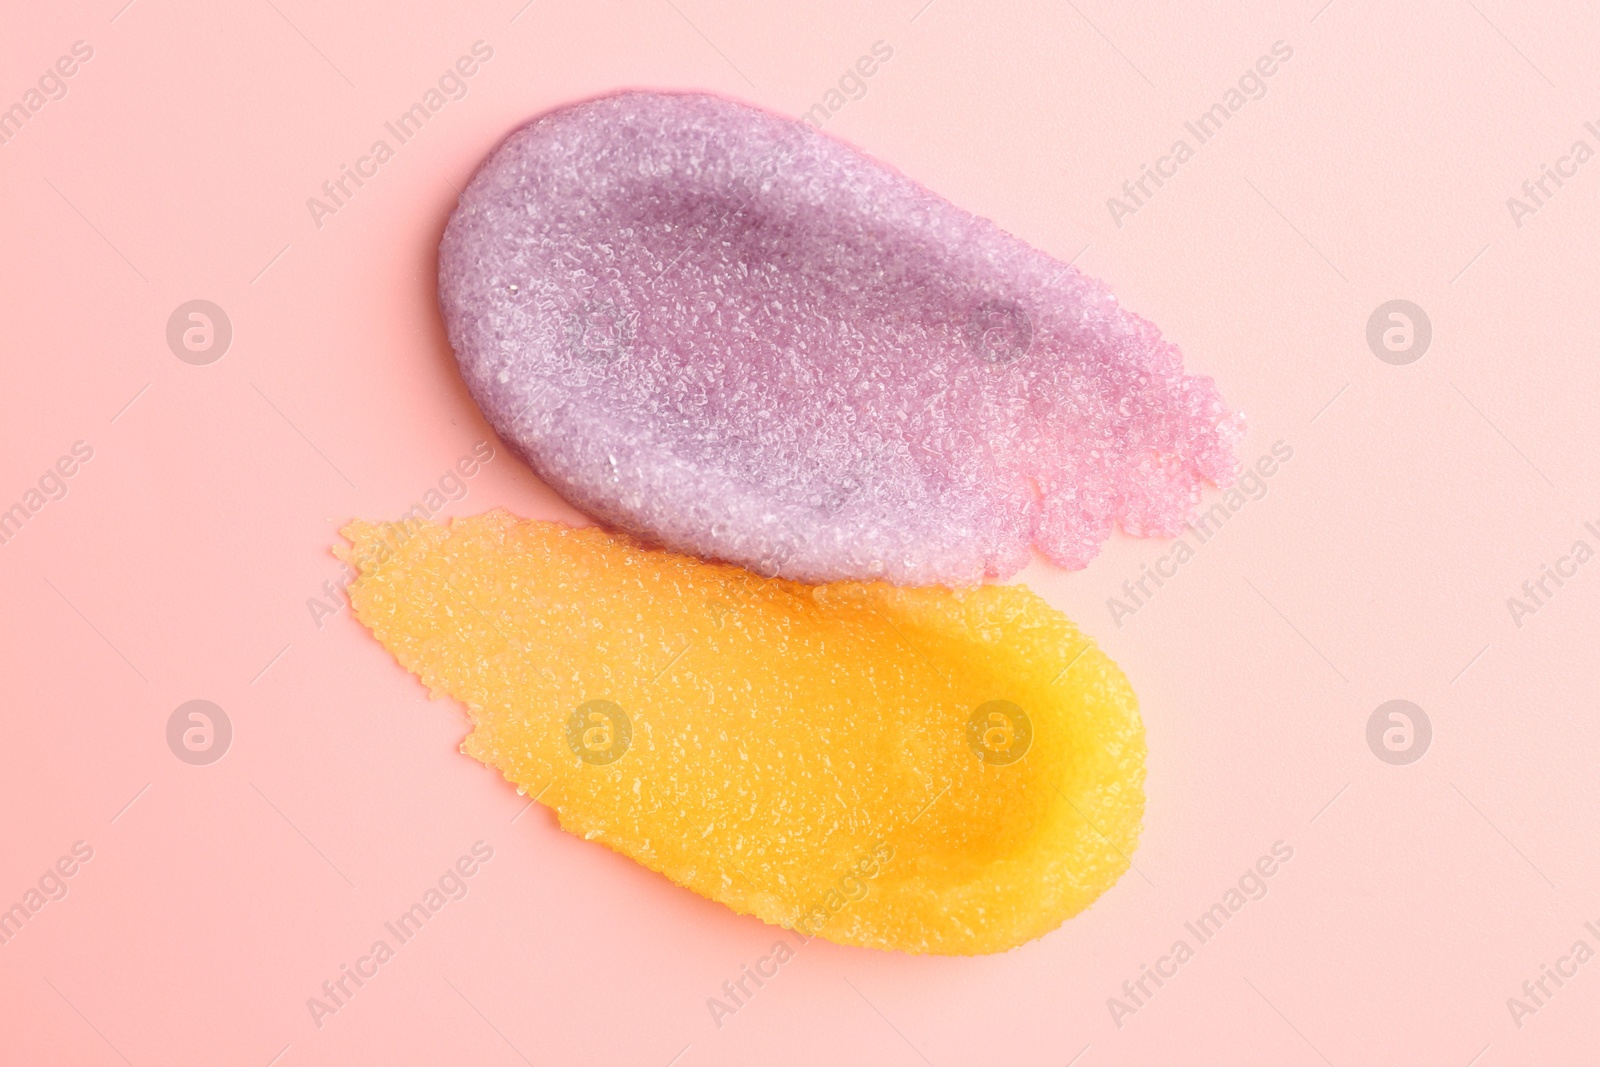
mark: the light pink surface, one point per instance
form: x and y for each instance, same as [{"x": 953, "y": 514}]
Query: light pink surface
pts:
[{"x": 1377, "y": 566}]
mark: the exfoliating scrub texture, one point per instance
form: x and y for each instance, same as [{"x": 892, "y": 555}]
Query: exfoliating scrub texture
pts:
[
  {"x": 741, "y": 339},
  {"x": 927, "y": 770}
]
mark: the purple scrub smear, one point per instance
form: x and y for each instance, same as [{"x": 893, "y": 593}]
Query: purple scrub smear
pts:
[{"x": 736, "y": 337}]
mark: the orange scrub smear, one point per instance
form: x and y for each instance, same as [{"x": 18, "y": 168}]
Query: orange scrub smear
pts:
[{"x": 919, "y": 769}]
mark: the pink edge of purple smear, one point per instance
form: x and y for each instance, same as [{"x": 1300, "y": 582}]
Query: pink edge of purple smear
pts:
[{"x": 735, "y": 337}]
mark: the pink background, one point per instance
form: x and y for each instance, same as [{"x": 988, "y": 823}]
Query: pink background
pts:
[{"x": 1378, "y": 566}]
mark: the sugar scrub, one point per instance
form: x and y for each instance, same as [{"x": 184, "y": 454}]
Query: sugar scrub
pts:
[
  {"x": 927, "y": 770},
  {"x": 737, "y": 337}
]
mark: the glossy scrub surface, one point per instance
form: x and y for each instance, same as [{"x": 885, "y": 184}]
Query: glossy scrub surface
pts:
[
  {"x": 741, "y": 339},
  {"x": 927, "y": 770}
]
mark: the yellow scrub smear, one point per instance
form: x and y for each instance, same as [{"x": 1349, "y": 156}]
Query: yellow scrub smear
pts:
[{"x": 927, "y": 770}]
